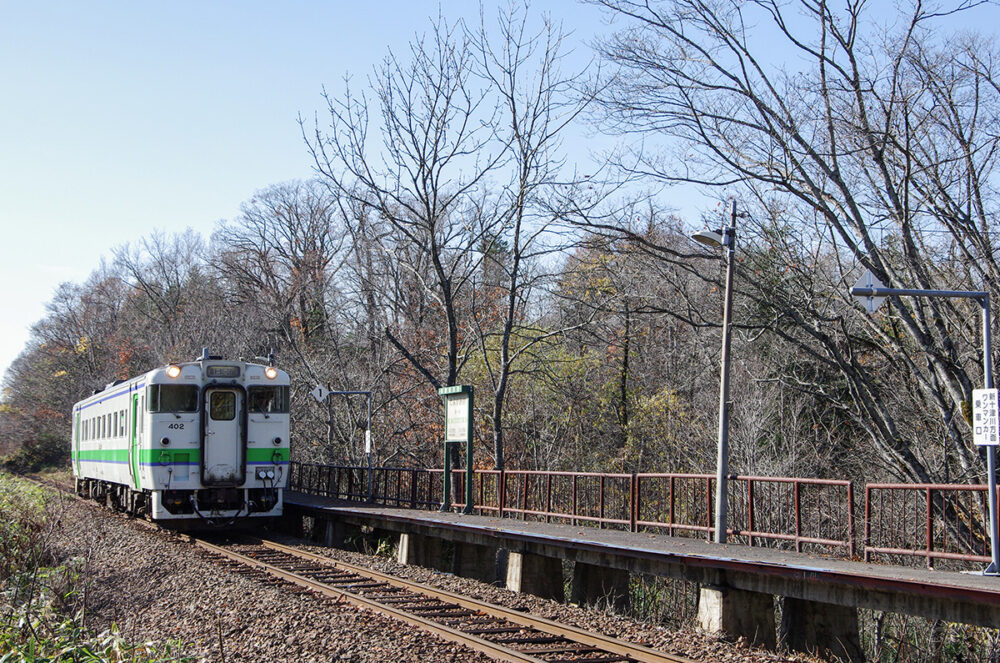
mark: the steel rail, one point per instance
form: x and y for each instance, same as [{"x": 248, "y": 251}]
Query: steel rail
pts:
[
  {"x": 453, "y": 635},
  {"x": 613, "y": 645}
]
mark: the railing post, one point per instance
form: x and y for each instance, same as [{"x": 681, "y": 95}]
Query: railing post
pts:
[
  {"x": 798, "y": 518},
  {"x": 524, "y": 501},
  {"x": 751, "y": 525},
  {"x": 929, "y": 533},
  {"x": 711, "y": 529},
  {"x": 851, "y": 546},
  {"x": 413, "y": 489},
  {"x": 670, "y": 517},
  {"x": 574, "y": 500},
  {"x": 503, "y": 490},
  {"x": 633, "y": 526},
  {"x": 600, "y": 510},
  {"x": 868, "y": 521},
  {"x": 548, "y": 497}
]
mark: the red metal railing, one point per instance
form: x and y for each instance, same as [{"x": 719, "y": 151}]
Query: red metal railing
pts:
[
  {"x": 816, "y": 512},
  {"x": 933, "y": 521},
  {"x": 765, "y": 510},
  {"x": 901, "y": 521}
]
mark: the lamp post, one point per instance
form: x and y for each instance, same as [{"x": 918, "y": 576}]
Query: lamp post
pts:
[{"x": 725, "y": 238}]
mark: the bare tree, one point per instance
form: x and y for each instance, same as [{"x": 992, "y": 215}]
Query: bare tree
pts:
[
  {"x": 422, "y": 184},
  {"x": 537, "y": 102},
  {"x": 283, "y": 252},
  {"x": 878, "y": 152}
]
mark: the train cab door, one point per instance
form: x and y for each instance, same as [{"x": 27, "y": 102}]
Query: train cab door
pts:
[
  {"x": 133, "y": 442},
  {"x": 223, "y": 450}
]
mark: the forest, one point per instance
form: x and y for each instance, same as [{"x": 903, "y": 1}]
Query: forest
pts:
[{"x": 447, "y": 238}]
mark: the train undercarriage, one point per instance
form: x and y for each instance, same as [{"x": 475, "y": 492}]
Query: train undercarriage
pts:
[{"x": 208, "y": 506}]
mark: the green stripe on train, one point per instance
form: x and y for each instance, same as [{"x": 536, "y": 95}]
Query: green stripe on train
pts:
[{"x": 147, "y": 456}]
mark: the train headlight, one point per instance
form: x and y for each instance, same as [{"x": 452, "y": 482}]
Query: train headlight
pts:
[
  {"x": 271, "y": 372},
  {"x": 164, "y": 441},
  {"x": 277, "y": 441},
  {"x": 173, "y": 371}
]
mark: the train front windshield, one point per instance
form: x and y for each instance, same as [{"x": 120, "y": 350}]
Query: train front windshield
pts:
[
  {"x": 269, "y": 400},
  {"x": 172, "y": 398}
]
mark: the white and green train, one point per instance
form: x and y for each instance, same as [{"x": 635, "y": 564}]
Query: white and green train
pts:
[{"x": 205, "y": 440}]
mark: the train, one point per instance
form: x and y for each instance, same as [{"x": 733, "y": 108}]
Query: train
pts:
[{"x": 204, "y": 442}]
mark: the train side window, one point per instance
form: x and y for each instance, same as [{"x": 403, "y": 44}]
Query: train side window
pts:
[{"x": 114, "y": 426}]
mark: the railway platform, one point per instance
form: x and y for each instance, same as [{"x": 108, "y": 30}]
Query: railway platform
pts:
[{"x": 738, "y": 583}]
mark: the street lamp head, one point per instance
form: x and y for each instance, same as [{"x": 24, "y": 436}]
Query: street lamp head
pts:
[{"x": 709, "y": 237}]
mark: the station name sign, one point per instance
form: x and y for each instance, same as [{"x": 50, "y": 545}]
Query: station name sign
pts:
[{"x": 985, "y": 417}]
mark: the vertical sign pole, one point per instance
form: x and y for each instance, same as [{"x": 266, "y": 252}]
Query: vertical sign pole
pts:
[
  {"x": 368, "y": 451},
  {"x": 991, "y": 450},
  {"x": 875, "y": 296},
  {"x": 446, "y": 481},
  {"x": 468, "y": 459}
]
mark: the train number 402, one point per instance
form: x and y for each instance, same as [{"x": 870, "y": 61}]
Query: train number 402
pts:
[{"x": 176, "y": 426}]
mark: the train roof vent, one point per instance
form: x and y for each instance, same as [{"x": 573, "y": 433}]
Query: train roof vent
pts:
[{"x": 114, "y": 384}]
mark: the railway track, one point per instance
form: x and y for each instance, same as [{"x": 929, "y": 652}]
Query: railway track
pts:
[{"x": 498, "y": 632}]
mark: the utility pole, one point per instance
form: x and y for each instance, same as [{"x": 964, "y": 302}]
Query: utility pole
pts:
[{"x": 726, "y": 238}]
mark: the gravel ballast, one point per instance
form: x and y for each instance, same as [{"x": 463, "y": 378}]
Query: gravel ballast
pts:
[{"x": 157, "y": 588}]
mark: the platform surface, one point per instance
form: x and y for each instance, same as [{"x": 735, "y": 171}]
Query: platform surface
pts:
[{"x": 691, "y": 552}]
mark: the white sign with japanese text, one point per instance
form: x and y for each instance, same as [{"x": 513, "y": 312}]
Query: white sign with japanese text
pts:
[
  {"x": 458, "y": 418},
  {"x": 985, "y": 415}
]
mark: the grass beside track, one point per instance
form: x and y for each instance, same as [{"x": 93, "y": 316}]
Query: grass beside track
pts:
[{"x": 43, "y": 597}]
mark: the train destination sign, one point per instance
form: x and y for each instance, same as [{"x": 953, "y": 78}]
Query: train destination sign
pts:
[{"x": 985, "y": 417}]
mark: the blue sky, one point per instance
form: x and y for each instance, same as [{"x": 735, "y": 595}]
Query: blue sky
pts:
[
  {"x": 118, "y": 118},
  {"x": 121, "y": 117}
]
